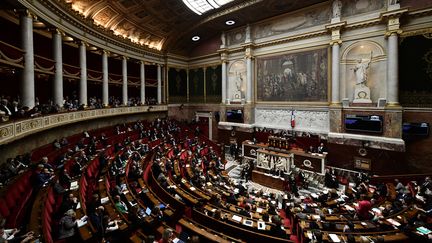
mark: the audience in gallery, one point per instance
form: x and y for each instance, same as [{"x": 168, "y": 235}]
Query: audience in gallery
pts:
[{"x": 11, "y": 108}]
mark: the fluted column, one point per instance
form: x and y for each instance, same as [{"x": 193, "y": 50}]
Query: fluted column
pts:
[
  {"x": 27, "y": 78},
  {"x": 249, "y": 87},
  {"x": 335, "y": 98},
  {"x": 125, "y": 85},
  {"x": 159, "y": 84},
  {"x": 83, "y": 77},
  {"x": 58, "y": 73},
  {"x": 105, "y": 89},
  {"x": 392, "y": 71},
  {"x": 142, "y": 79},
  {"x": 224, "y": 81}
]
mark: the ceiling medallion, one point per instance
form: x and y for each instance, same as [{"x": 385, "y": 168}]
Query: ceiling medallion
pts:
[{"x": 196, "y": 38}]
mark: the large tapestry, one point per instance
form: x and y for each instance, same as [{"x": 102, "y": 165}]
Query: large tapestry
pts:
[
  {"x": 293, "y": 77},
  {"x": 177, "y": 85},
  {"x": 196, "y": 85},
  {"x": 415, "y": 71},
  {"x": 214, "y": 84}
]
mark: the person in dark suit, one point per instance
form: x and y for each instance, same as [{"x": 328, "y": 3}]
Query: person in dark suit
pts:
[
  {"x": 4, "y": 109},
  {"x": 321, "y": 148},
  {"x": 276, "y": 228},
  {"x": 97, "y": 219}
]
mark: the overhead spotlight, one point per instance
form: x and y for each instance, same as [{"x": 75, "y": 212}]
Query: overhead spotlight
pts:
[
  {"x": 195, "y": 38},
  {"x": 230, "y": 22}
]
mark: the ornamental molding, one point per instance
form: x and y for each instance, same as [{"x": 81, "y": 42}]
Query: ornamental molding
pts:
[
  {"x": 64, "y": 18},
  {"x": 15, "y": 130}
]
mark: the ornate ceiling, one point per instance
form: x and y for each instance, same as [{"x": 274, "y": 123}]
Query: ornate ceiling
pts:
[{"x": 168, "y": 25}]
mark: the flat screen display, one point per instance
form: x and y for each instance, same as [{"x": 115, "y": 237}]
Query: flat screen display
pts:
[
  {"x": 234, "y": 116},
  {"x": 364, "y": 123}
]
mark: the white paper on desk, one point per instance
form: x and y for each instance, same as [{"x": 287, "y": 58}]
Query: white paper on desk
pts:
[
  {"x": 259, "y": 210},
  {"x": 82, "y": 221},
  {"x": 315, "y": 216},
  {"x": 309, "y": 235},
  {"x": 176, "y": 240},
  {"x": 349, "y": 208},
  {"x": 192, "y": 188},
  {"x": 125, "y": 192},
  {"x": 334, "y": 238},
  {"x": 74, "y": 184},
  {"x": 393, "y": 222},
  {"x": 104, "y": 200},
  {"x": 188, "y": 165},
  {"x": 314, "y": 195},
  {"x": 78, "y": 205},
  {"x": 237, "y": 218}
]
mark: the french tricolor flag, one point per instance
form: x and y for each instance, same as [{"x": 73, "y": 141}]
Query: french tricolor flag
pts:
[{"x": 292, "y": 119}]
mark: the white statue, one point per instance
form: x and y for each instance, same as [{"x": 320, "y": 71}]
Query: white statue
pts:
[
  {"x": 362, "y": 91},
  {"x": 281, "y": 164},
  {"x": 337, "y": 7},
  {"x": 393, "y": 2},
  {"x": 223, "y": 39},
  {"x": 361, "y": 70},
  {"x": 248, "y": 33}
]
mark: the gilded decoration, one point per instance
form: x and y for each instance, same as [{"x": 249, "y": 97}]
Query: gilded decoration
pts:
[{"x": 15, "y": 130}]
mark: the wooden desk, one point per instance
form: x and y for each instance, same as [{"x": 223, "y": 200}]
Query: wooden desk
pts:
[{"x": 268, "y": 180}]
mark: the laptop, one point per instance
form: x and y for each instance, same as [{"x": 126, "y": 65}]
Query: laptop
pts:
[
  {"x": 248, "y": 222},
  {"x": 148, "y": 211}
]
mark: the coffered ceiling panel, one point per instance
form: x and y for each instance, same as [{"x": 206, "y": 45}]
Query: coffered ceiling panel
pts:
[{"x": 168, "y": 25}]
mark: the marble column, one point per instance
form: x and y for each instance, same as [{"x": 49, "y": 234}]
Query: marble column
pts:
[
  {"x": 159, "y": 84},
  {"x": 83, "y": 77},
  {"x": 125, "y": 84},
  {"x": 392, "y": 71},
  {"x": 249, "y": 84},
  {"x": 224, "y": 81},
  {"x": 58, "y": 71},
  {"x": 335, "y": 98},
  {"x": 142, "y": 79},
  {"x": 27, "y": 78},
  {"x": 105, "y": 89},
  {"x": 210, "y": 127}
]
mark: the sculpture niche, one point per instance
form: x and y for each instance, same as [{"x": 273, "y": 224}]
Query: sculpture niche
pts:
[{"x": 362, "y": 91}]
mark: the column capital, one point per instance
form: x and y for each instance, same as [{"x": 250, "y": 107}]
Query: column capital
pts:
[
  {"x": 83, "y": 43},
  {"x": 26, "y": 13},
  {"x": 103, "y": 51},
  {"x": 389, "y": 33},
  {"x": 392, "y": 17},
  {"x": 335, "y": 42},
  {"x": 249, "y": 53},
  {"x": 57, "y": 31},
  {"x": 141, "y": 62}
]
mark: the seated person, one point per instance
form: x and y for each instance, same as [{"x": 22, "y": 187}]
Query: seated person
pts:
[
  {"x": 276, "y": 229},
  {"x": 70, "y": 202},
  {"x": 120, "y": 205},
  {"x": 321, "y": 148},
  {"x": 311, "y": 150},
  {"x": 67, "y": 225}
]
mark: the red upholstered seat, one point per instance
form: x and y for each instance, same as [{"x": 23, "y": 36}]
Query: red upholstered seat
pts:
[{"x": 4, "y": 210}]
